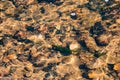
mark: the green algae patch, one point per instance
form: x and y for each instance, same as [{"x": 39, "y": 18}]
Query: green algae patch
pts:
[{"x": 63, "y": 50}]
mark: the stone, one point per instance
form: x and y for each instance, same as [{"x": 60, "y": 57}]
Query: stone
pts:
[
  {"x": 74, "y": 46},
  {"x": 106, "y": 0},
  {"x": 73, "y": 15}
]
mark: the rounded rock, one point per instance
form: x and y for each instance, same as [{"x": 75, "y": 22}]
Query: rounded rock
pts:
[
  {"x": 73, "y": 15},
  {"x": 74, "y": 46}
]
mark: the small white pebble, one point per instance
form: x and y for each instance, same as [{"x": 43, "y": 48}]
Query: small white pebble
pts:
[
  {"x": 72, "y": 14},
  {"x": 106, "y": 0}
]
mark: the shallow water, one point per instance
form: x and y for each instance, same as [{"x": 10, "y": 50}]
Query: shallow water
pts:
[{"x": 60, "y": 39}]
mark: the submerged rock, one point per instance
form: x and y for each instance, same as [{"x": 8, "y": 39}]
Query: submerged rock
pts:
[{"x": 74, "y": 46}]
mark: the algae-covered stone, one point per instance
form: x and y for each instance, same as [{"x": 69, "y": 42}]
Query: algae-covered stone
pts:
[{"x": 63, "y": 50}]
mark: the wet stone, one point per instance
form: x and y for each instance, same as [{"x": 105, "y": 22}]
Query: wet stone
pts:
[{"x": 73, "y": 15}]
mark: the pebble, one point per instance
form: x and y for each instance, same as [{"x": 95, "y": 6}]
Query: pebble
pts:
[
  {"x": 74, "y": 46},
  {"x": 106, "y": 0},
  {"x": 73, "y": 15}
]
